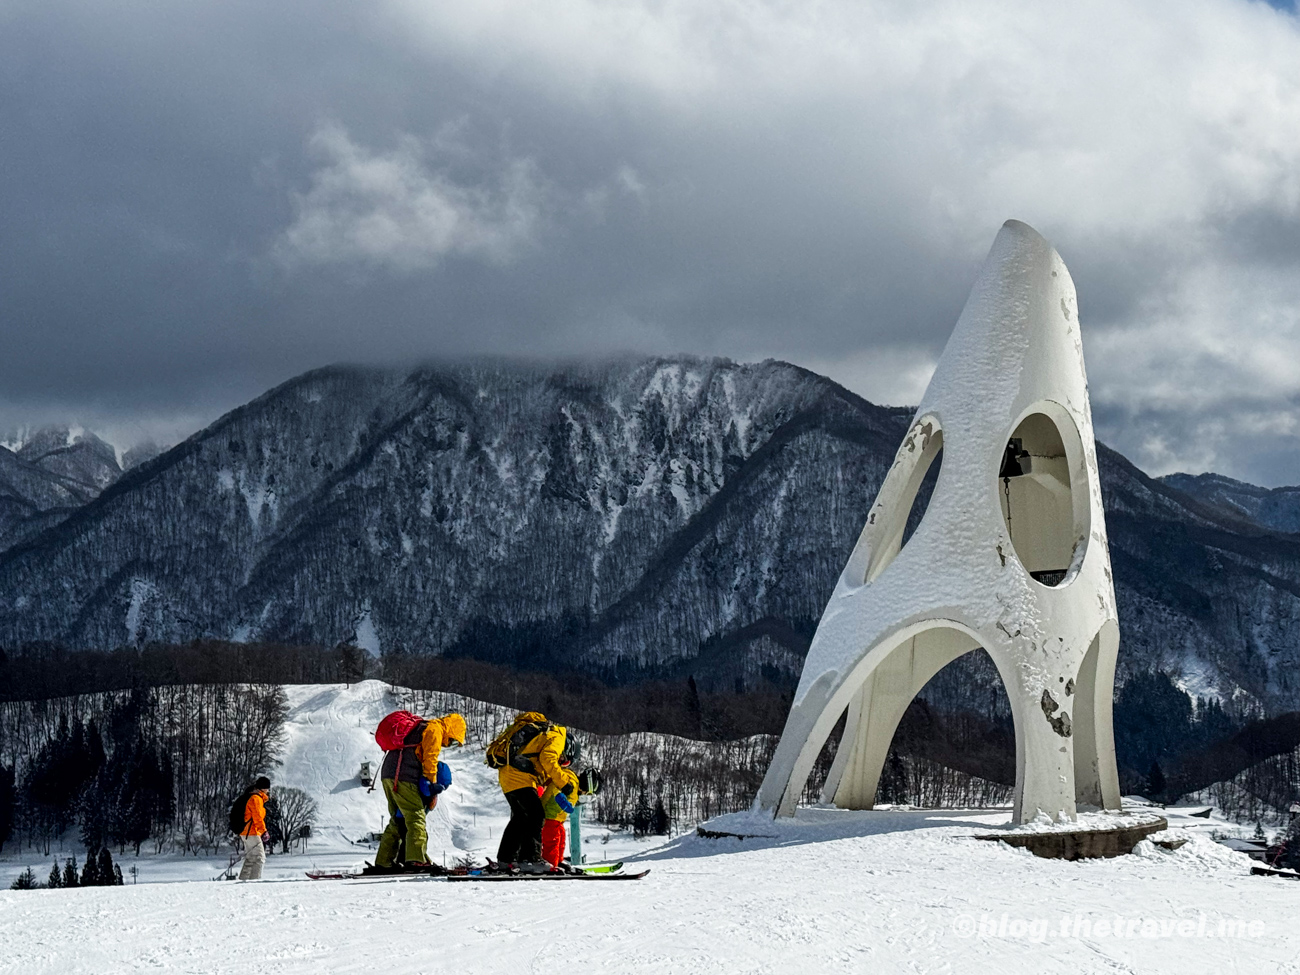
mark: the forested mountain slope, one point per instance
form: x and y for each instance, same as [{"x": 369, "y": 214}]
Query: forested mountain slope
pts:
[{"x": 636, "y": 518}]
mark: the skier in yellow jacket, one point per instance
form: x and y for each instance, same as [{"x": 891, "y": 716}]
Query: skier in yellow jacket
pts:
[
  {"x": 558, "y": 803},
  {"x": 401, "y": 773},
  {"x": 540, "y": 760}
]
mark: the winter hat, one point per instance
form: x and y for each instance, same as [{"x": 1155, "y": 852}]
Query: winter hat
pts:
[{"x": 262, "y": 782}]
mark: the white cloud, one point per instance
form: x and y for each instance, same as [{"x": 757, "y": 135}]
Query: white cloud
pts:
[
  {"x": 817, "y": 181},
  {"x": 1206, "y": 376},
  {"x": 894, "y": 375},
  {"x": 400, "y": 211},
  {"x": 1138, "y": 137}
]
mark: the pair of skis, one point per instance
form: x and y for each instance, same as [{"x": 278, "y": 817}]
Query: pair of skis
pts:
[
  {"x": 607, "y": 871},
  {"x": 604, "y": 871}
]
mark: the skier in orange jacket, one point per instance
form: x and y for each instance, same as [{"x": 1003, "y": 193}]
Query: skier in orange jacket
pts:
[{"x": 255, "y": 835}]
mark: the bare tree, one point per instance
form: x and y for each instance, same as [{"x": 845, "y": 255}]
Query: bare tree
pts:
[{"x": 297, "y": 814}]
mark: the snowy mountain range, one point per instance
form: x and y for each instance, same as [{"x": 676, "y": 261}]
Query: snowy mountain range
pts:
[
  {"x": 630, "y": 519},
  {"x": 1277, "y": 509},
  {"x": 47, "y": 474}
]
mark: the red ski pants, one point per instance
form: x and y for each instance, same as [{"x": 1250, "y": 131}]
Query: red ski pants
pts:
[{"x": 553, "y": 842}]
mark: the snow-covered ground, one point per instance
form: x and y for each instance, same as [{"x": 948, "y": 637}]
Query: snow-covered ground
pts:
[
  {"x": 328, "y": 734},
  {"x": 831, "y": 891}
]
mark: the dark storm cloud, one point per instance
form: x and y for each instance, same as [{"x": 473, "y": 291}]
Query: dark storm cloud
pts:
[{"x": 203, "y": 199}]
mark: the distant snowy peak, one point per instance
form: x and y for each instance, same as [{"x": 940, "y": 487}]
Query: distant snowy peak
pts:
[
  {"x": 139, "y": 454},
  {"x": 1276, "y": 509},
  {"x": 46, "y": 474},
  {"x": 73, "y": 453}
]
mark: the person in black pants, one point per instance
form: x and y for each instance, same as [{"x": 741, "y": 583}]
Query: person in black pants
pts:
[
  {"x": 538, "y": 751},
  {"x": 521, "y": 843}
]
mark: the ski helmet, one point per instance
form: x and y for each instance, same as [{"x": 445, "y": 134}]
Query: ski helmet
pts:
[
  {"x": 572, "y": 749},
  {"x": 589, "y": 781}
]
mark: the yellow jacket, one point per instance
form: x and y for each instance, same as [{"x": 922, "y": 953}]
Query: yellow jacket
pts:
[
  {"x": 438, "y": 732},
  {"x": 545, "y": 751},
  {"x": 552, "y": 809}
]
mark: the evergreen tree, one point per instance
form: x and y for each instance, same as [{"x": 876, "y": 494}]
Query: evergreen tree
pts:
[
  {"x": 694, "y": 707},
  {"x": 352, "y": 663},
  {"x": 8, "y": 800},
  {"x": 25, "y": 881},
  {"x": 70, "y": 872},
  {"x": 1155, "y": 781},
  {"x": 1291, "y": 844},
  {"x": 1258, "y": 835},
  {"x": 660, "y": 823},
  {"x": 95, "y": 757},
  {"x": 1153, "y": 722},
  {"x": 109, "y": 874},
  {"x": 92, "y": 812},
  {"x": 893, "y": 781},
  {"x": 642, "y": 816},
  {"x": 56, "y": 878},
  {"x": 274, "y": 823},
  {"x": 90, "y": 872}
]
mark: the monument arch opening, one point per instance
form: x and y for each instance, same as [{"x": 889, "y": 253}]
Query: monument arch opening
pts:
[
  {"x": 1037, "y": 478},
  {"x": 904, "y": 496}
]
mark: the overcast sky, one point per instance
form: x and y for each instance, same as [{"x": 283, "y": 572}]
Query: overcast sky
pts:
[{"x": 199, "y": 200}]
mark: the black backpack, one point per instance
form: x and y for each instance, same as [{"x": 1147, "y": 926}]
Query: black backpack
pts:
[
  {"x": 238, "y": 812},
  {"x": 520, "y": 740},
  {"x": 506, "y": 746}
]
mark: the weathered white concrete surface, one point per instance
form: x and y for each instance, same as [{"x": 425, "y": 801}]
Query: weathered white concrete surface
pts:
[{"x": 1013, "y": 368}]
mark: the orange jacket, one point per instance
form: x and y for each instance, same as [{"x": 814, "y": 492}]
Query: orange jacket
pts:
[{"x": 255, "y": 814}]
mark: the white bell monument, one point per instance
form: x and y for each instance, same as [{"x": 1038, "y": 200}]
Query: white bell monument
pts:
[{"x": 1010, "y": 555}]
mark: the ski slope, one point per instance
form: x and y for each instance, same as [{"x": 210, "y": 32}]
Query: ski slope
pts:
[{"x": 830, "y": 891}]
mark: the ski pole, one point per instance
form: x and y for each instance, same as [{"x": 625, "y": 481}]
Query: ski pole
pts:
[{"x": 575, "y": 834}]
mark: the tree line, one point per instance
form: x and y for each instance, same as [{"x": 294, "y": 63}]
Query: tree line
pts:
[
  {"x": 41, "y": 670},
  {"x": 99, "y": 871},
  {"x": 151, "y": 765},
  {"x": 707, "y": 754}
]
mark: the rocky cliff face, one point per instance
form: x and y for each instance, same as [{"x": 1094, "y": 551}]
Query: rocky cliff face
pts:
[{"x": 633, "y": 519}]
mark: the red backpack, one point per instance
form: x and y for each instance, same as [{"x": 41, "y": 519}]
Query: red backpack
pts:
[{"x": 392, "y": 731}]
